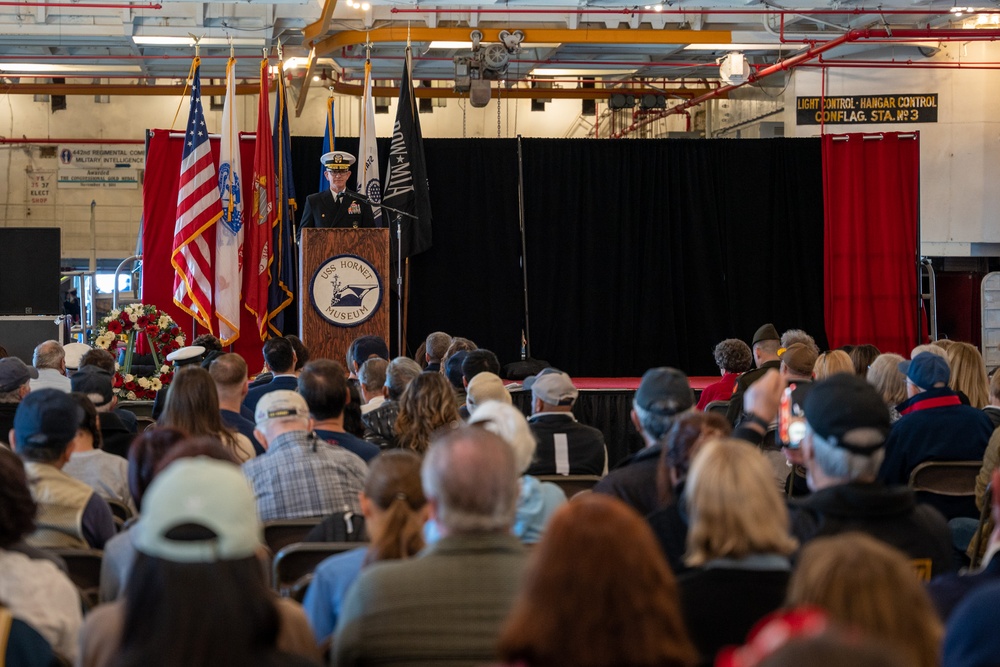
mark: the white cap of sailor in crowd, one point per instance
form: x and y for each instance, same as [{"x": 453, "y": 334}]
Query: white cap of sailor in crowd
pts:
[{"x": 338, "y": 169}]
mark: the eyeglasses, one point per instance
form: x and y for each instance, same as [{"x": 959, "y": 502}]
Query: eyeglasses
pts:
[{"x": 340, "y": 172}]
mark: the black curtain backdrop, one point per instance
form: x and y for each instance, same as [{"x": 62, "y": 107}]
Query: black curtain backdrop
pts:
[{"x": 640, "y": 253}]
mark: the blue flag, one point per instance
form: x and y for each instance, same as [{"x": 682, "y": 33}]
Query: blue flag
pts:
[{"x": 329, "y": 138}]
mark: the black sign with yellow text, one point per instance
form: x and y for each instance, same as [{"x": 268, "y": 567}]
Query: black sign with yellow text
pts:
[{"x": 855, "y": 109}]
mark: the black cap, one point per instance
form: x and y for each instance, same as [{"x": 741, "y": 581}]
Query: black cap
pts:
[
  {"x": 765, "y": 332},
  {"x": 664, "y": 391},
  {"x": 47, "y": 418},
  {"x": 95, "y": 382},
  {"x": 843, "y": 403}
]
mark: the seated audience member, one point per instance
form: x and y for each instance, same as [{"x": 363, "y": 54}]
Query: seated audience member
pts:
[
  {"x": 229, "y": 373},
  {"x": 764, "y": 348},
  {"x": 452, "y": 369},
  {"x": 420, "y": 355},
  {"x": 436, "y": 346},
  {"x": 884, "y": 375},
  {"x": 14, "y": 386},
  {"x": 458, "y": 344},
  {"x": 842, "y": 450},
  {"x": 49, "y": 360},
  {"x": 362, "y": 349},
  {"x": 565, "y": 446},
  {"x": 933, "y": 348},
  {"x": 993, "y": 409},
  {"x": 213, "y": 348},
  {"x": 300, "y": 476},
  {"x": 637, "y": 620},
  {"x": 966, "y": 526},
  {"x": 382, "y": 420},
  {"x": 485, "y": 387},
  {"x": 394, "y": 507},
  {"x": 352, "y": 412},
  {"x": 323, "y": 383},
  {"x": 738, "y": 543},
  {"x": 22, "y": 644},
  {"x": 949, "y": 589},
  {"x": 427, "y": 404},
  {"x": 793, "y": 336},
  {"x": 104, "y": 473},
  {"x": 476, "y": 362},
  {"x": 33, "y": 590},
  {"x": 971, "y": 639},
  {"x": 934, "y": 426},
  {"x": 70, "y": 514},
  {"x": 663, "y": 394},
  {"x": 445, "y": 606},
  {"x": 73, "y": 356},
  {"x": 104, "y": 359},
  {"x": 193, "y": 408},
  {"x": 868, "y": 587},
  {"x": 681, "y": 444},
  {"x": 279, "y": 358},
  {"x": 197, "y": 593},
  {"x": 536, "y": 500},
  {"x": 302, "y": 355},
  {"x": 829, "y": 363},
  {"x": 733, "y": 357},
  {"x": 191, "y": 355},
  {"x": 862, "y": 357},
  {"x": 371, "y": 380},
  {"x": 98, "y": 385},
  {"x": 144, "y": 461},
  {"x": 968, "y": 374}
]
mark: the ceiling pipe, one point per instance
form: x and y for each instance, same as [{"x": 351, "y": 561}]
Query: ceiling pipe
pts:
[
  {"x": 85, "y": 5},
  {"x": 629, "y": 11},
  {"x": 28, "y": 140}
]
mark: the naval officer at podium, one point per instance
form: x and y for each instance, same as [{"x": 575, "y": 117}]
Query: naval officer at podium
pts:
[{"x": 338, "y": 206}]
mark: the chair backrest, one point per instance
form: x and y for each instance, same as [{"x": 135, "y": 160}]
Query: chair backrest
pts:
[
  {"x": 280, "y": 533},
  {"x": 946, "y": 478},
  {"x": 119, "y": 509},
  {"x": 571, "y": 484},
  {"x": 84, "y": 569},
  {"x": 718, "y": 407},
  {"x": 143, "y": 423},
  {"x": 297, "y": 561}
]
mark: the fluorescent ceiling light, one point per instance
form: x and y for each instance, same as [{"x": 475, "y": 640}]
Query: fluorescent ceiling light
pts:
[
  {"x": 166, "y": 40},
  {"x": 749, "y": 46},
  {"x": 26, "y": 68},
  {"x": 589, "y": 71},
  {"x": 468, "y": 45}
]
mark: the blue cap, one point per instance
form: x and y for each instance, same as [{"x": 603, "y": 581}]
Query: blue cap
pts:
[
  {"x": 926, "y": 370},
  {"x": 453, "y": 368},
  {"x": 47, "y": 418}
]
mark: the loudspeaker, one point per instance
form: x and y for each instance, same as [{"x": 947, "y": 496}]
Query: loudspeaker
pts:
[
  {"x": 20, "y": 335},
  {"x": 30, "y": 259}
]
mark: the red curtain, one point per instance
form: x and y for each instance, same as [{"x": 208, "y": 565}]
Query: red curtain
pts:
[
  {"x": 159, "y": 209},
  {"x": 871, "y": 199}
]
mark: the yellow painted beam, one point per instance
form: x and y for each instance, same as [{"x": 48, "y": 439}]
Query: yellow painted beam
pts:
[
  {"x": 547, "y": 35},
  {"x": 524, "y": 93},
  {"x": 321, "y": 25}
]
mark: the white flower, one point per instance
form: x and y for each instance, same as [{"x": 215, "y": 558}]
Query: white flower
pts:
[
  {"x": 144, "y": 382},
  {"x": 130, "y": 395},
  {"x": 132, "y": 316},
  {"x": 115, "y": 312},
  {"x": 129, "y": 378},
  {"x": 163, "y": 322},
  {"x": 164, "y": 369},
  {"x": 155, "y": 384}
]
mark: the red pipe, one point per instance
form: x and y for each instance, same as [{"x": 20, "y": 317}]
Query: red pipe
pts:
[
  {"x": 4, "y": 140},
  {"x": 875, "y": 65},
  {"x": 84, "y": 5}
]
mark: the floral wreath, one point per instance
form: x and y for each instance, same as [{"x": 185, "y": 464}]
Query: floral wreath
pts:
[{"x": 122, "y": 329}]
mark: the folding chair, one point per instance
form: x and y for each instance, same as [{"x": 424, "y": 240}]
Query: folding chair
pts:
[
  {"x": 571, "y": 484},
  {"x": 293, "y": 565},
  {"x": 279, "y": 533},
  {"x": 84, "y": 569}
]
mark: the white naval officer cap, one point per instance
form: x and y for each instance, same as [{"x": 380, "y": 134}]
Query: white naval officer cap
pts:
[{"x": 337, "y": 160}]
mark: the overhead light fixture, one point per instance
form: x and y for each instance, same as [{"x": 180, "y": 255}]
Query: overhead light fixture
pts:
[
  {"x": 443, "y": 45},
  {"x": 30, "y": 68},
  {"x": 656, "y": 8},
  {"x": 168, "y": 40},
  {"x": 748, "y": 46},
  {"x": 593, "y": 70}
]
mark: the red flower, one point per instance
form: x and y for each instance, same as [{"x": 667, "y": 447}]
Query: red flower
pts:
[
  {"x": 174, "y": 345},
  {"x": 152, "y": 329},
  {"x": 142, "y": 322},
  {"x": 126, "y": 320},
  {"x": 166, "y": 378},
  {"x": 118, "y": 381},
  {"x": 131, "y": 386},
  {"x": 165, "y": 337},
  {"x": 114, "y": 326}
]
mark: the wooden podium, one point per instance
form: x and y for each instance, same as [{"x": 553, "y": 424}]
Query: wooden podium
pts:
[{"x": 343, "y": 288}]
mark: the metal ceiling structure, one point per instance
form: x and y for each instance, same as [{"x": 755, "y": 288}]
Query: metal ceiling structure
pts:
[{"x": 539, "y": 49}]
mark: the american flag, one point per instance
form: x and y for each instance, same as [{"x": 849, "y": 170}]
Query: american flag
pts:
[{"x": 198, "y": 209}]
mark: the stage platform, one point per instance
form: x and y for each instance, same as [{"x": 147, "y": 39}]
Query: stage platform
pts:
[{"x": 606, "y": 404}]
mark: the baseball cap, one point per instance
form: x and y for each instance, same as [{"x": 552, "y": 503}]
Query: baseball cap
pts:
[
  {"x": 484, "y": 387},
  {"x": 531, "y": 379},
  {"x": 453, "y": 369},
  {"x": 14, "y": 373},
  {"x": 799, "y": 358},
  {"x": 47, "y": 418},
  {"x": 280, "y": 403},
  {"x": 926, "y": 369},
  {"x": 843, "y": 403},
  {"x": 765, "y": 332},
  {"x": 95, "y": 382},
  {"x": 554, "y": 388},
  {"x": 203, "y": 492},
  {"x": 664, "y": 391},
  {"x": 74, "y": 353}
]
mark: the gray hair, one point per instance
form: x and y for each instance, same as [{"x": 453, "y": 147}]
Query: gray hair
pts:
[
  {"x": 372, "y": 373},
  {"x": 398, "y": 375},
  {"x": 49, "y": 354},
  {"x": 793, "y": 336},
  {"x": 437, "y": 345},
  {"x": 470, "y": 475},
  {"x": 838, "y": 463},
  {"x": 653, "y": 424}
]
